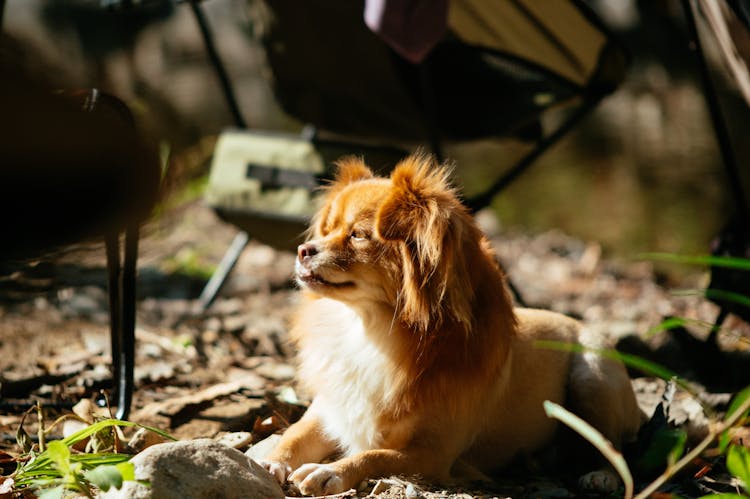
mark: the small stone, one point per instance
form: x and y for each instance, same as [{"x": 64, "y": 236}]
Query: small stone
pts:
[
  {"x": 143, "y": 439},
  {"x": 236, "y": 440}
]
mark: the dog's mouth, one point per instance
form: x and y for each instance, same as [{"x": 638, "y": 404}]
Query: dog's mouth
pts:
[{"x": 310, "y": 278}]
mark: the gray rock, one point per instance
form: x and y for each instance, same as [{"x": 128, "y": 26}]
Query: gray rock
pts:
[{"x": 197, "y": 469}]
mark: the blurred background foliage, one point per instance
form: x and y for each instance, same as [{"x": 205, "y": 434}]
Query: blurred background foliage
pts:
[{"x": 641, "y": 174}]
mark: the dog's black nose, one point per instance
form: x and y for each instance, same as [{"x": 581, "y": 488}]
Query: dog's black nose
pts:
[{"x": 306, "y": 250}]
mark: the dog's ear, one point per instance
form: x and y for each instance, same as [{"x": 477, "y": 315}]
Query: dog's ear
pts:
[
  {"x": 417, "y": 206},
  {"x": 424, "y": 214},
  {"x": 350, "y": 169}
]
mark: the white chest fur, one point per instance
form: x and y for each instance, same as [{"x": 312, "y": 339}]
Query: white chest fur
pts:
[{"x": 348, "y": 374}]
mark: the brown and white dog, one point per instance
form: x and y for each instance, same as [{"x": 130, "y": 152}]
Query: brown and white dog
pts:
[{"x": 409, "y": 343}]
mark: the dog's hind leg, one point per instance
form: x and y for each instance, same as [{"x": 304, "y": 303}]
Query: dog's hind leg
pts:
[{"x": 599, "y": 391}]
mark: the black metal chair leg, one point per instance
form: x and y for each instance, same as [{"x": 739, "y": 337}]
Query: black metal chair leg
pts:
[
  {"x": 127, "y": 332},
  {"x": 115, "y": 312},
  {"x": 484, "y": 199},
  {"x": 218, "y": 64},
  {"x": 121, "y": 283},
  {"x": 228, "y": 261}
]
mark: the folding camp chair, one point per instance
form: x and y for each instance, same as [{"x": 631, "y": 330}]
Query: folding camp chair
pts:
[
  {"x": 734, "y": 239},
  {"x": 499, "y": 67}
]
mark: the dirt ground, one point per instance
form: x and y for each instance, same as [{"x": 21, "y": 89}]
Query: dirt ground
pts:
[{"x": 206, "y": 373}]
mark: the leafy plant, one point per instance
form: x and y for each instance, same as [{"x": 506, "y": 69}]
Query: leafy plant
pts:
[{"x": 55, "y": 470}]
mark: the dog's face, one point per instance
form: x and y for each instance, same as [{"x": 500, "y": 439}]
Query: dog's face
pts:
[
  {"x": 345, "y": 258},
  {"x": 395, "y": 241}
]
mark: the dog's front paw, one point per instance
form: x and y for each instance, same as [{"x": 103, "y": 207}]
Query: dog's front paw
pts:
[
  {"x": 317, "y": 479},
  {"x": 280, "y": 471},
  {"x": 604, "y": 481}
]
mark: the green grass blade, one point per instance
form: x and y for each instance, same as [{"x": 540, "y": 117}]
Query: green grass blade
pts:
[
  {"x": 738, "y": 464},
  {"x": 705, "y": 260},
  {"x": 42, "y": 465},
  {"x": 666, "y": 325},
  {"x": 676, "y": 322},
  {"x": 678, "y": 449},
  {"x": 646, "y": 366},
  {"x": 725, "y": 495},
  {"x": 739, "y": 399},
  {"x": 93, "y": 460},
  {"x": 107, "y": 423},
  {"x": 730, "y": 296},
  {"x": 59, "y": 454},
  {"x": 715, "y": 294}
]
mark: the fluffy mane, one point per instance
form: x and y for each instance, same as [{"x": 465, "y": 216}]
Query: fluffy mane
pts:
[{"x": 435, "y": 231}]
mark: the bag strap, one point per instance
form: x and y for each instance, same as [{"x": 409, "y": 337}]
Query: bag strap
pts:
[{"x": 273, "y": 177}]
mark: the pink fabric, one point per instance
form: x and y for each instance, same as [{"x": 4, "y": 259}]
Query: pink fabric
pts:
[{"x": 411, "y": 27}]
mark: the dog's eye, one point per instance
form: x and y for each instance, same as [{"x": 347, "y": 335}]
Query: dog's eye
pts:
[{"x": 359, "y": 236}]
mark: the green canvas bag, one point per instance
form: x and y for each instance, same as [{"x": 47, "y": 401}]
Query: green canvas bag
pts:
[{"x": 267, "y": 183}]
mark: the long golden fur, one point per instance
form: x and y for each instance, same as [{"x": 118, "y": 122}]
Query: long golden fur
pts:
[{"x": 408, "y": 341}]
